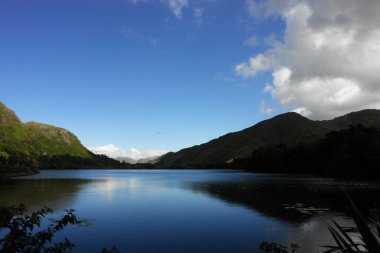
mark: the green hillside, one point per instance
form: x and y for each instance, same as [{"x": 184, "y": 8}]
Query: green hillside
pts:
[
  {"x": 289, "y": 128},
  {"x": 50, "y": 140},
  {"x": 12, "y": 147},
  {"x": 23, "y": 145}
]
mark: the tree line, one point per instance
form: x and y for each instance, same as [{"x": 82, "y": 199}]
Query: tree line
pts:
[{"x": 353, "y": 151}]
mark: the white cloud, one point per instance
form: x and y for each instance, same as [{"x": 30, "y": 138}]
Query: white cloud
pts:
[
  {"x": 112, "y": 151},
  {"x": 255, "y": 64},
  {"x": 264, "y": 109},
  {"x": 303, "y": 111},
  {"x": 177, "y": 5},
  {"x": 268, "y": 89},
  {"x": 139, "y": 1},
  {"x": 198, "y": 14},
  {"x": 138, "y": 37},
  {"x": 251, "y": 41},
  {"x": 329, "y": 58},
  {"x": 132, "y": 34}
]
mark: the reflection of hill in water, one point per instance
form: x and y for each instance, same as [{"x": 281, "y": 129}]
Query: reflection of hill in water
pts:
[
  {"x": 35, "y": 193},
  {"x": 293, "y": 203}
]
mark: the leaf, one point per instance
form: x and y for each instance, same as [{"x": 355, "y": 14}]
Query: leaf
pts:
[
  {"x": 347, "y": 236},
  {"x": 370, "y": 239}
]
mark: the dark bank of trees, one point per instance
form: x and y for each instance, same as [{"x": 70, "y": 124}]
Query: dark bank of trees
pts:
[
  {"x": 17, "y": 162},
  {"x": 95, "y": 162},
  {"x": 353, "y": 151},
  {"x": 75, "y": 162},
  {"x": 22, "y": 163}
]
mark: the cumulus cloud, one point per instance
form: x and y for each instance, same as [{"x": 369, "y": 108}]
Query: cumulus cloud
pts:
[
  {"x": 251, "y": 41},
  {"x": 177, "y": 5},
  {"x": 253, "y": 65},
  {"x": 112, "y": 151},
  {"x": 264, "y": 109},
  {"x": 268, "y": 88},
  {"x": 138, "y": 37},
  {"x": 139, "y": 1},
  {"x": 198, "y": 14},
  {"x": 327, "y": 64},
  {"x": 303, "y": 111}
]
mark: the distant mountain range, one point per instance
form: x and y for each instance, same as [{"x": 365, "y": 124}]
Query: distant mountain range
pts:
[
  {"x": 27, "y": 147},
  {"x": 289, "y": 128},
  {"x": 131, "y": 156},
  {"x": 151, "y": 160}
]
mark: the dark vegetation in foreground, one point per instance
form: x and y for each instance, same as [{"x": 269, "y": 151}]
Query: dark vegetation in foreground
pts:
[
  {"x": 21, "y": 237},
  {"x": 364, "y": 237}
]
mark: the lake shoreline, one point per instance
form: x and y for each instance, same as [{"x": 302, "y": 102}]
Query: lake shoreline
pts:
[
  {"x": 20, "y": 174},
  {"x": 331, "y": 176}
]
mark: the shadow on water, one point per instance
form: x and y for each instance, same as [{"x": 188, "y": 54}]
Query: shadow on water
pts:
[
  {"x": 35, "y": 193},
  {"x": 293, "y": 200},
  {"x": 305, "y": 204}
]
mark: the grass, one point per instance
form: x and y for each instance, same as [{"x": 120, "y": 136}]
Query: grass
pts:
[
  {"x": 369, "y": 233},
  {"x": 364, "y": 237}
]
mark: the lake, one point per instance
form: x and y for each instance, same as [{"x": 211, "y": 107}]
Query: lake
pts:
[{"x": 191, "y": 210}]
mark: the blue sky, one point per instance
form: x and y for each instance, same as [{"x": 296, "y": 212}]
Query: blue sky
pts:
[{"x": 151, "y": 74}]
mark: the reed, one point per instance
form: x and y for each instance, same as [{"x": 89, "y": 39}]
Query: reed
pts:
[{"x": 368, "y": 230}]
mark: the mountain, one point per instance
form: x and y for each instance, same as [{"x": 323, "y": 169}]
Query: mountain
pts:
[
  {"x": 26, "y": 147},
  {"x": 126, "y": 160},
  {"x": 289, "y": 128},
  {"x": 131, "y": 156},
  {"x": 366, "y": 118},
  {"x": 50, "y": 140},
  {"x": 151, "y": 160},
  {"x": 38, "y": 138}
]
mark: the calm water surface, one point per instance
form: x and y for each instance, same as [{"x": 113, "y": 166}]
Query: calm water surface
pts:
[{"x": 190, "y": 210}]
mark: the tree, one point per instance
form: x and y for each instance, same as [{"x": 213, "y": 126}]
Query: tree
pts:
[{"x": 21, "y": 238}]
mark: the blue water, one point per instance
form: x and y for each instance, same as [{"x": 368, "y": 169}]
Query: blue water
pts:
[{"x": 187, "y": 210}]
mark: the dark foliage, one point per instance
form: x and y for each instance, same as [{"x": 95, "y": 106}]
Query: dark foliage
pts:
[
  {"x": 75, "y": 162},
  {"x": 363, "y": 237},
  {"x": 95, "y": 162},
  {"x": 278, "y": 248},
  {"x": 19, "y": 163},
  {"x": 353, "y": 151},
  {"x": 20, "y": 236}
]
